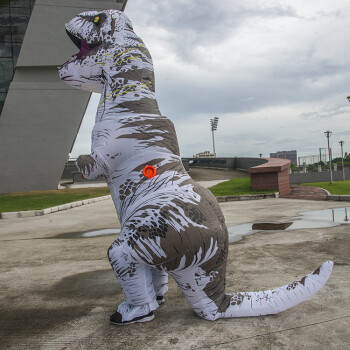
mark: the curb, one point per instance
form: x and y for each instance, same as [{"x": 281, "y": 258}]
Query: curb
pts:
[
  {"x": 31, "y": 213},
  {"x": 339, "y": 198},
  {"x": 247, "y": 197}
]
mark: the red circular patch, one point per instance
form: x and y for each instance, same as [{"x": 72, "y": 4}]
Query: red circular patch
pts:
[{"x": 149, "y": 171}]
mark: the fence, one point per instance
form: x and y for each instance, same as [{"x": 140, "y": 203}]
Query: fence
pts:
[
  {"x": 323, "y": 156},
  {"x": 323, "y": 176}
]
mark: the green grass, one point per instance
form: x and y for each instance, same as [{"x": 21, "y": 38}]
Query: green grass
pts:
[
  {"x": 45, "y": 199},
  {"x": 235, "y": 186},
  {"x": 338, "y": 187}
]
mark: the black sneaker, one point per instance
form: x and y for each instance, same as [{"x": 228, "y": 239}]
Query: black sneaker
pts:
[
  {"x": 129, "y": 314},
  {"x": 160, "y": 299}
]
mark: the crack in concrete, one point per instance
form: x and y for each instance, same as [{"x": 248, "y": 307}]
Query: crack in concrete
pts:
[{"x": 268, "y": 333}]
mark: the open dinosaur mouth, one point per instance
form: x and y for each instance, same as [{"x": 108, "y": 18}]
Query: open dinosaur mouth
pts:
[{"x": 82, "y": 45}]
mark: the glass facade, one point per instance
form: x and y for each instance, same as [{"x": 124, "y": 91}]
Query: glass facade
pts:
[{"x": 14, "y": 18}]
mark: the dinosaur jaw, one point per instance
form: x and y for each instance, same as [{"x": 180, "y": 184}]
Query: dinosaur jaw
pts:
[{"x": 82, "y": 45}]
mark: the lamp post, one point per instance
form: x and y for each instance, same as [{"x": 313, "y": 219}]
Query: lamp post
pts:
[
  {"x": 328, "y": 134},
  {"x": 341, "y": 143},
  {"x": 213, "y": 127}
]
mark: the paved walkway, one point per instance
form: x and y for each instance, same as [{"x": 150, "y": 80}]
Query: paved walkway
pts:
[
  {"x": 207, "y": 174},
  {"x": 57, "y": 289},
  {"x": 307, "y": 192}
]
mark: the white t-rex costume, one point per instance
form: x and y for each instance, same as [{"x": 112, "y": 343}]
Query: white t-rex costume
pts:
[{"x": 170, "y": 224}]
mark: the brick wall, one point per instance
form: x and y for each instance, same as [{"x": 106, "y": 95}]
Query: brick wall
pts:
[
  {"x": 283, "y": 182},
  {"x": 272, "y": 175}
]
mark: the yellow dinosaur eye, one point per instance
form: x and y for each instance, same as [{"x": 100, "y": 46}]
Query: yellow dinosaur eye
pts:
[{"x": 96, "y": 19}]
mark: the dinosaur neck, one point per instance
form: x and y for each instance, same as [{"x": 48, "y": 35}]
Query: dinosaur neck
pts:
[{"x": 128, "y": 86}]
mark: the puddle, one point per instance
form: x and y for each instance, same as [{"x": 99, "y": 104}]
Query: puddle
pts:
[
  {"x": 104, "y": 232},
  {"x": 307, "y": 219},
  {"x": 89, "y": 234},
  {"x": 321, "y": 218}
]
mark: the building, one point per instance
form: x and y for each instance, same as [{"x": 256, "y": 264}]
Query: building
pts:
[
  {"x": 14, "y": 18},
  {"x": 291, "y": 155},
  {"x": 205, "y": 154},
  {"x": 41, "y": 115}
]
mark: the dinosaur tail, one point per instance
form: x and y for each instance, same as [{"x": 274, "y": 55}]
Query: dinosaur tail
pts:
[{"x": 270, "y": 302}]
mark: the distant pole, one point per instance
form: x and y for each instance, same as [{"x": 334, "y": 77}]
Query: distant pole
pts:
[
  {"x": 328, "y": 134},
  {"x": 212, "y": 132},
  {"x": 213, "y": 127},
  {"x": 342, "y": 158}
]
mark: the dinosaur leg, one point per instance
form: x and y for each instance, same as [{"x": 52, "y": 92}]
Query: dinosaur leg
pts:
[
  {"x": 160, "y": 282},
  {"x": 192, "y": 283},
  {"x": 135, "y": 278},
  {"x": 201, "y": 278}
]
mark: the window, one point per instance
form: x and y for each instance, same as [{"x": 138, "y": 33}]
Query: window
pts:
[{"x": 14, "y": 18}]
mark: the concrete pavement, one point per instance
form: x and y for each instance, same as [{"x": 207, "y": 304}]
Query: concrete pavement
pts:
[{"x": 58, "y": 290}]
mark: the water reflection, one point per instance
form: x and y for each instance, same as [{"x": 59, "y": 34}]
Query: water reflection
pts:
[
  {"x": 321, "y": 218},
  {"x": 104, "y": 232},
  {"x": 271, "y": 226}
]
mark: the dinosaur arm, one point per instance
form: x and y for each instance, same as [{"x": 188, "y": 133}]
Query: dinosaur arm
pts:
[{"x": 89, "y": 167}]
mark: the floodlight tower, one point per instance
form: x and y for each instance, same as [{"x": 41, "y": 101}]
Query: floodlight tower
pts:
[
  {"x": 341, "y": 143},
  {"x": 214, "y": 126},
  {"x": 328, "y": 134}
]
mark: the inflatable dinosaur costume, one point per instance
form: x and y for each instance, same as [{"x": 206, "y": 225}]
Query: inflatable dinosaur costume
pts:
[{"x": 169, "y": 224}]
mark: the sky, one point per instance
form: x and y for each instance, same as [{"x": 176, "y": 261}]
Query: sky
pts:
[{"x": 275, "y": 72}]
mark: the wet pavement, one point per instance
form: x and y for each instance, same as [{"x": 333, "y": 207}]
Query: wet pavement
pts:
[
  {"x": 305, "y": 220},
  {"x": 309, "y": 219},
  {"x": 57, "y": 289}
]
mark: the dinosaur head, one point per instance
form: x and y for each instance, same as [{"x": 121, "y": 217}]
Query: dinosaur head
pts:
[{"x": 97, "y": 34}]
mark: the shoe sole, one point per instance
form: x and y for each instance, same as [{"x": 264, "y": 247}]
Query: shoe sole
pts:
[
  {"x": 161, "y": 302},
  {"x": 145, "y": 319}
]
